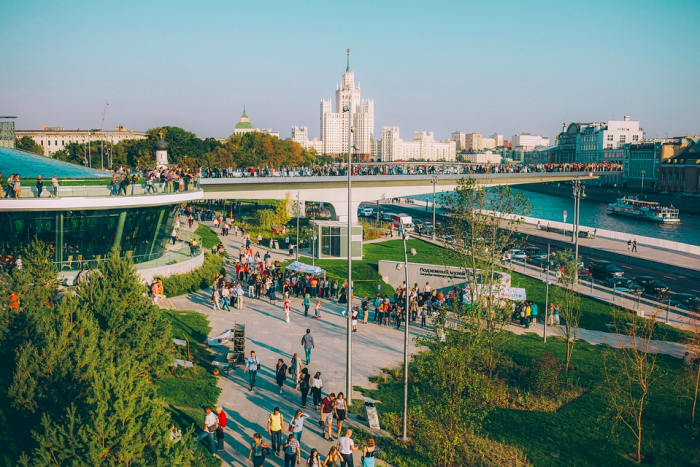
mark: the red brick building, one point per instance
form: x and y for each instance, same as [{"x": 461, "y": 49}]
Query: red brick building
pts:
[{"x": 681, "y": 173}]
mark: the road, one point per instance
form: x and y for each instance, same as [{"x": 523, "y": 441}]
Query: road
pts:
[{"x": 676, "y": 282}]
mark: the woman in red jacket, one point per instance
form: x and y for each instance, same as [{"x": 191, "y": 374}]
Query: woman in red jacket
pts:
[{"x": 222, "y": 425}]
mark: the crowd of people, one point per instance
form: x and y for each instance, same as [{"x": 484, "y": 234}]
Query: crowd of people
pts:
[{"x": 365, "y": 169}]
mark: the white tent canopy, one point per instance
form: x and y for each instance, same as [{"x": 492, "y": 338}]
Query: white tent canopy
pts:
[{"x": 297, "y": 266}]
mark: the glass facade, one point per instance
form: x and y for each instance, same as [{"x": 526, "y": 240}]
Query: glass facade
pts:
[
  {"x": 332, "y": 240},
  {"x": 29, "y": 165},
  {"x": 82, "y": 236}
]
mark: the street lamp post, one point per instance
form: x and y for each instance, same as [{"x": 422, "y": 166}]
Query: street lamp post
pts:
[
  {"x": 579, "y": 192},
  {"x": 404, "y": 235},
  {"x": 297, "y": 245},
  {"x": 643, "y": 172},
  {"x": 348, "y": 356},
  {"x": 546, "y": 297},
  {"x": 434, "y": 181}
]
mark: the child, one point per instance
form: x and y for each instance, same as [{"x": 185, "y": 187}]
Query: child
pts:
[{"x": 317, "y": 309}]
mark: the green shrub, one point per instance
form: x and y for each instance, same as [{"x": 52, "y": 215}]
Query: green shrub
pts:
[{"x": 194, "y": 280}]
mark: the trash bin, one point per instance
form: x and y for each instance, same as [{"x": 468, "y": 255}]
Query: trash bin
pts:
[
  {"x": 371, "y": 412},
  {"x": 276, "y": 245}
]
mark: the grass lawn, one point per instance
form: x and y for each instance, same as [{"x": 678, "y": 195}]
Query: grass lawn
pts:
[
  {"x": 185, "y": 389},
  {"x": 580, "y": 433},
  {"x": 209, "y": 237},
  {"x": 366, "y": 274}
]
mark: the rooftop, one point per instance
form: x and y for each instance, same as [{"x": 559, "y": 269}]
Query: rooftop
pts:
[{"x": 28, "y": 165}]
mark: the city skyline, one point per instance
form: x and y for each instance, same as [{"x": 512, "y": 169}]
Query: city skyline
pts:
[{"x": 198, "y": 66}]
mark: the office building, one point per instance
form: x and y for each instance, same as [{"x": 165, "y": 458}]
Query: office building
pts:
[
  {"x": 681, "y": 173},
  {"x": 528, "y": 142}
]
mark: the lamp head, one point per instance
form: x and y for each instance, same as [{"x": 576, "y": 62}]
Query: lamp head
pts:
[{"x": 413, "y": 252}]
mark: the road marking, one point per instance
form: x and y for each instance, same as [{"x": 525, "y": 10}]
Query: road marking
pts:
[
  {"x": 696, "y": 290},
  {"x": 672, "y": 278},
  {"x": 626, "y": 267}
]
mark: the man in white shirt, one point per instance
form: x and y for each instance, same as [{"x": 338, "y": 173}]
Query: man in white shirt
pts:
[
  {"x": 211, "y": 421},
  {"x": 346, "y": 446}
]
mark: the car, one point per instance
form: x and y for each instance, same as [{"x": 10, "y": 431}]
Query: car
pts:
[
  {"x": 676, "y": 304},
  {"x": 541, "y": 261},
  {"x": 563, "y": 257},
  {"x": 584, "y": 274},
  {"x": 366, "y": 211},
  {"x": 517, "y": 254},
  {"x": 651, "y": 285},
  {"x": 688, "y": 299},
  {"x": 623, "y": 284},
  {"x": 388, "y": 216},
  {"x": 533, "y": 251},
  {"x": 602, "y": 269}
]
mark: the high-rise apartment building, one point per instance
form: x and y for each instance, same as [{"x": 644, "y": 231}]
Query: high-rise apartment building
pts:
[{"x": 334, "y": 124}]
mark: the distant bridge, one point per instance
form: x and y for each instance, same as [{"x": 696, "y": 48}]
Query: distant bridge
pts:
[{"x": 333, "y": 189}]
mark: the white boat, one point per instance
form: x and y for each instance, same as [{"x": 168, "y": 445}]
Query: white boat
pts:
[{"x": 631, "y": 206}]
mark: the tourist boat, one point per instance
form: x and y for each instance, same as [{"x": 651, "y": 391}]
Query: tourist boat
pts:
[{"x": 631, "y": 206}]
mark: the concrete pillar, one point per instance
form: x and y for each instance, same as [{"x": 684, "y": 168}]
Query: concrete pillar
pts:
[{"x": 341, "y": 211}]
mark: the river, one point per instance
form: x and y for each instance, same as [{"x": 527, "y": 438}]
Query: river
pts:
[{"x": 594, "y": 214}]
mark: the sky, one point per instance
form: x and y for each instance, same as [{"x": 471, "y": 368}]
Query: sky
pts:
[{"x": 493, "y": 66}]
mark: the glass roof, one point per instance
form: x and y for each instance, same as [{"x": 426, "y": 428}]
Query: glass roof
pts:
[{"x": 30, "y": 165}]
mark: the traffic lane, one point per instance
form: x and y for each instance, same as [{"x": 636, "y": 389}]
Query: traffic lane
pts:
[{"x": 676, "y": 282}]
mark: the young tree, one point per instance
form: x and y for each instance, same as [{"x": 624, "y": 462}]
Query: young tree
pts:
[
  {"x": 569, "y": 302},
  {"x": 484, "y": 222},
  {"x": 282, "y": 211},
  {"x": 691, "y": 376},
  {"x": 630, "y": 373}
]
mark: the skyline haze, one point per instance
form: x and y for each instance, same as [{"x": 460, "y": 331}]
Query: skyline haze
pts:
[{"x": 507, "y": 67}]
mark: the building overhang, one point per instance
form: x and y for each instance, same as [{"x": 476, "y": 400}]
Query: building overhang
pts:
[{"x": 97, "y": 202}]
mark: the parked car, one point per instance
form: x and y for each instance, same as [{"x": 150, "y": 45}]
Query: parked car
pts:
[
  {"x": 676, "y": 304},
  {"x": 533, "y": 251},
  {"x": 651, "y": 285},
  {"x": 540, "y": 261},
  {"x": 366, "y": 211},
  {"x": 688, "y": 299},
  {"x": 623, "y": 284},
  {"x": 516, "y": 254},
  {"x": 584, "y": 274},
  {"x": 604, "y": 269}
]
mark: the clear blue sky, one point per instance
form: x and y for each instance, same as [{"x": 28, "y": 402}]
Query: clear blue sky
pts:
[{"x": 491, "y": 66}]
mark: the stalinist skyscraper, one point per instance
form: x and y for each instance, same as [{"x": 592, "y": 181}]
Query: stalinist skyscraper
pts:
[{"x": 334, "y": 125}]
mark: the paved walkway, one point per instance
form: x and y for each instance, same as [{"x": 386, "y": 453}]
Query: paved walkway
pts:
[{"x": 374, "y": 348}]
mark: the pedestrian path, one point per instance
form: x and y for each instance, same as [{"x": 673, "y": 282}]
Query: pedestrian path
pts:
[{"x": 267, "y": 333}]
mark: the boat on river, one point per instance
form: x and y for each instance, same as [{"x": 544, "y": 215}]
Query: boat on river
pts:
[{"x": 631, "y": 206}]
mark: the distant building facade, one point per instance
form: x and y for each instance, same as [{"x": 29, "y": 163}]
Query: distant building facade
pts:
[
  {"x": 528, "y": 142},
  {"x": 7, "y": 132},
  {"x": 56, "y": 138},
  {"x": 597, "y": 142},
  {"x": 681, "y": 173},
  {"x": 245, "y": 126},
  {"x": 480, "y": 157},
  {"x": 423, "y": 147},
  {"x": 539, "y": 155}
]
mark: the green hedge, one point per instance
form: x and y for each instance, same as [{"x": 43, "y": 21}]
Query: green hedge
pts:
[{"x": 195, "y": 280}]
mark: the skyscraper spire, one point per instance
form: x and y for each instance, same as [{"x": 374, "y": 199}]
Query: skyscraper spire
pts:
[{"x": 347, "y": 69}]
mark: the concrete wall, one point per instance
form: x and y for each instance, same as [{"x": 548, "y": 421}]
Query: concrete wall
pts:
[{"x": 436, "y": 275}]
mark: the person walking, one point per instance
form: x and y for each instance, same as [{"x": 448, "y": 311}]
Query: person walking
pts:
[
  {"x": 220, "y": 429},
  {"x": 275, "y": 427},
  {"x": 327, "y": 416},
  {"x": 307, "y": 341},
  {"x": 314, "y": 459},
  {"x": 54, "y": 184},
  {"x": 340, "y": 411},
  {"x": 317, "y": 309},
  {"x": 211, "y": 423},
  {"x": 333, "y": 459},
  {"x": 295, "y": 368},
  {"x": 629, "y": 245},
  {"x": 304, "y": 385},
  {"x": 355, "y": 312},
  {"x": 292, "y": 452},
  {"x": 39, "y": 186},
  {"x": 251, "y": 367},
  {"x": 368, "y": 454},
  {"x": 307, "y": 304},
  {"x": 634, "y": 245},
  {"x": 287, "y": 308},
  {"x": 346, "y": 446},
  {"x": 365, "y": 310},
  {"x": 316, "y": 387},
  {"x": 297, "y": 424},
  {"x": 258, "y": 450},
  {"x": 280, "y": 373}
]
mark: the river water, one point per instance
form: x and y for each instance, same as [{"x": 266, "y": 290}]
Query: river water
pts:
[{"x": 594, "y": 214}]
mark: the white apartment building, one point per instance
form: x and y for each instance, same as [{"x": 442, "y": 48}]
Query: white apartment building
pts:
[
  {"x": 600, "y": 142},
  {"x": 528, "y": 142},
  {"x": 334, "y": 124},
  {"x": 481, "y": 157},
  {"x": 498, "y": 139},
  {"x": 423, "y": 147},
  {"x": 56, "y": 138},
  {"x": 300, "y": 135}
]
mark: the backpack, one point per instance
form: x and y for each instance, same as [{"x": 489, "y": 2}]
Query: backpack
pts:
[{"x": 303, "y": 340}]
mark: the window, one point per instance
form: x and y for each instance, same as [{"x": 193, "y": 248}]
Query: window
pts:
[
  {"x": 610, "y": 137},
  {"x": 49, "y": 142},
  {"x": 623, "y": 138},
  {"x": 635, "y": 137}
]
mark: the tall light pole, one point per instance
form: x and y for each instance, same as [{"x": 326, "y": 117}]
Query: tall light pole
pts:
[
  {"x": 643, "y": 172},
  {"x": 102, "y": 137},
  {"x": 348, "y": 360},
  {"x": 434, "y": 181},
  {"x": 404, "y": 235},
  {"x": 579, "y": 192},
  {"x": 546, "y": 297},
  {"x": 297, "y": 248}
]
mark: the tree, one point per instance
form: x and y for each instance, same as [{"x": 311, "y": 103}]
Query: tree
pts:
[
  {"x": 484, "y": 223},
  {"x": 569, "y": 301},
  {"x": 26, "y": 143},
  {"x": 691, "y": 376},
  {"x": 282, "y": 209},
  {"x": 630, "y": 373},
  {"x": 265, "y": 218}
]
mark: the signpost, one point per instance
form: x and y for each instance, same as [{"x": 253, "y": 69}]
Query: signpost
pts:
[{"x": 566, "y": 213}]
